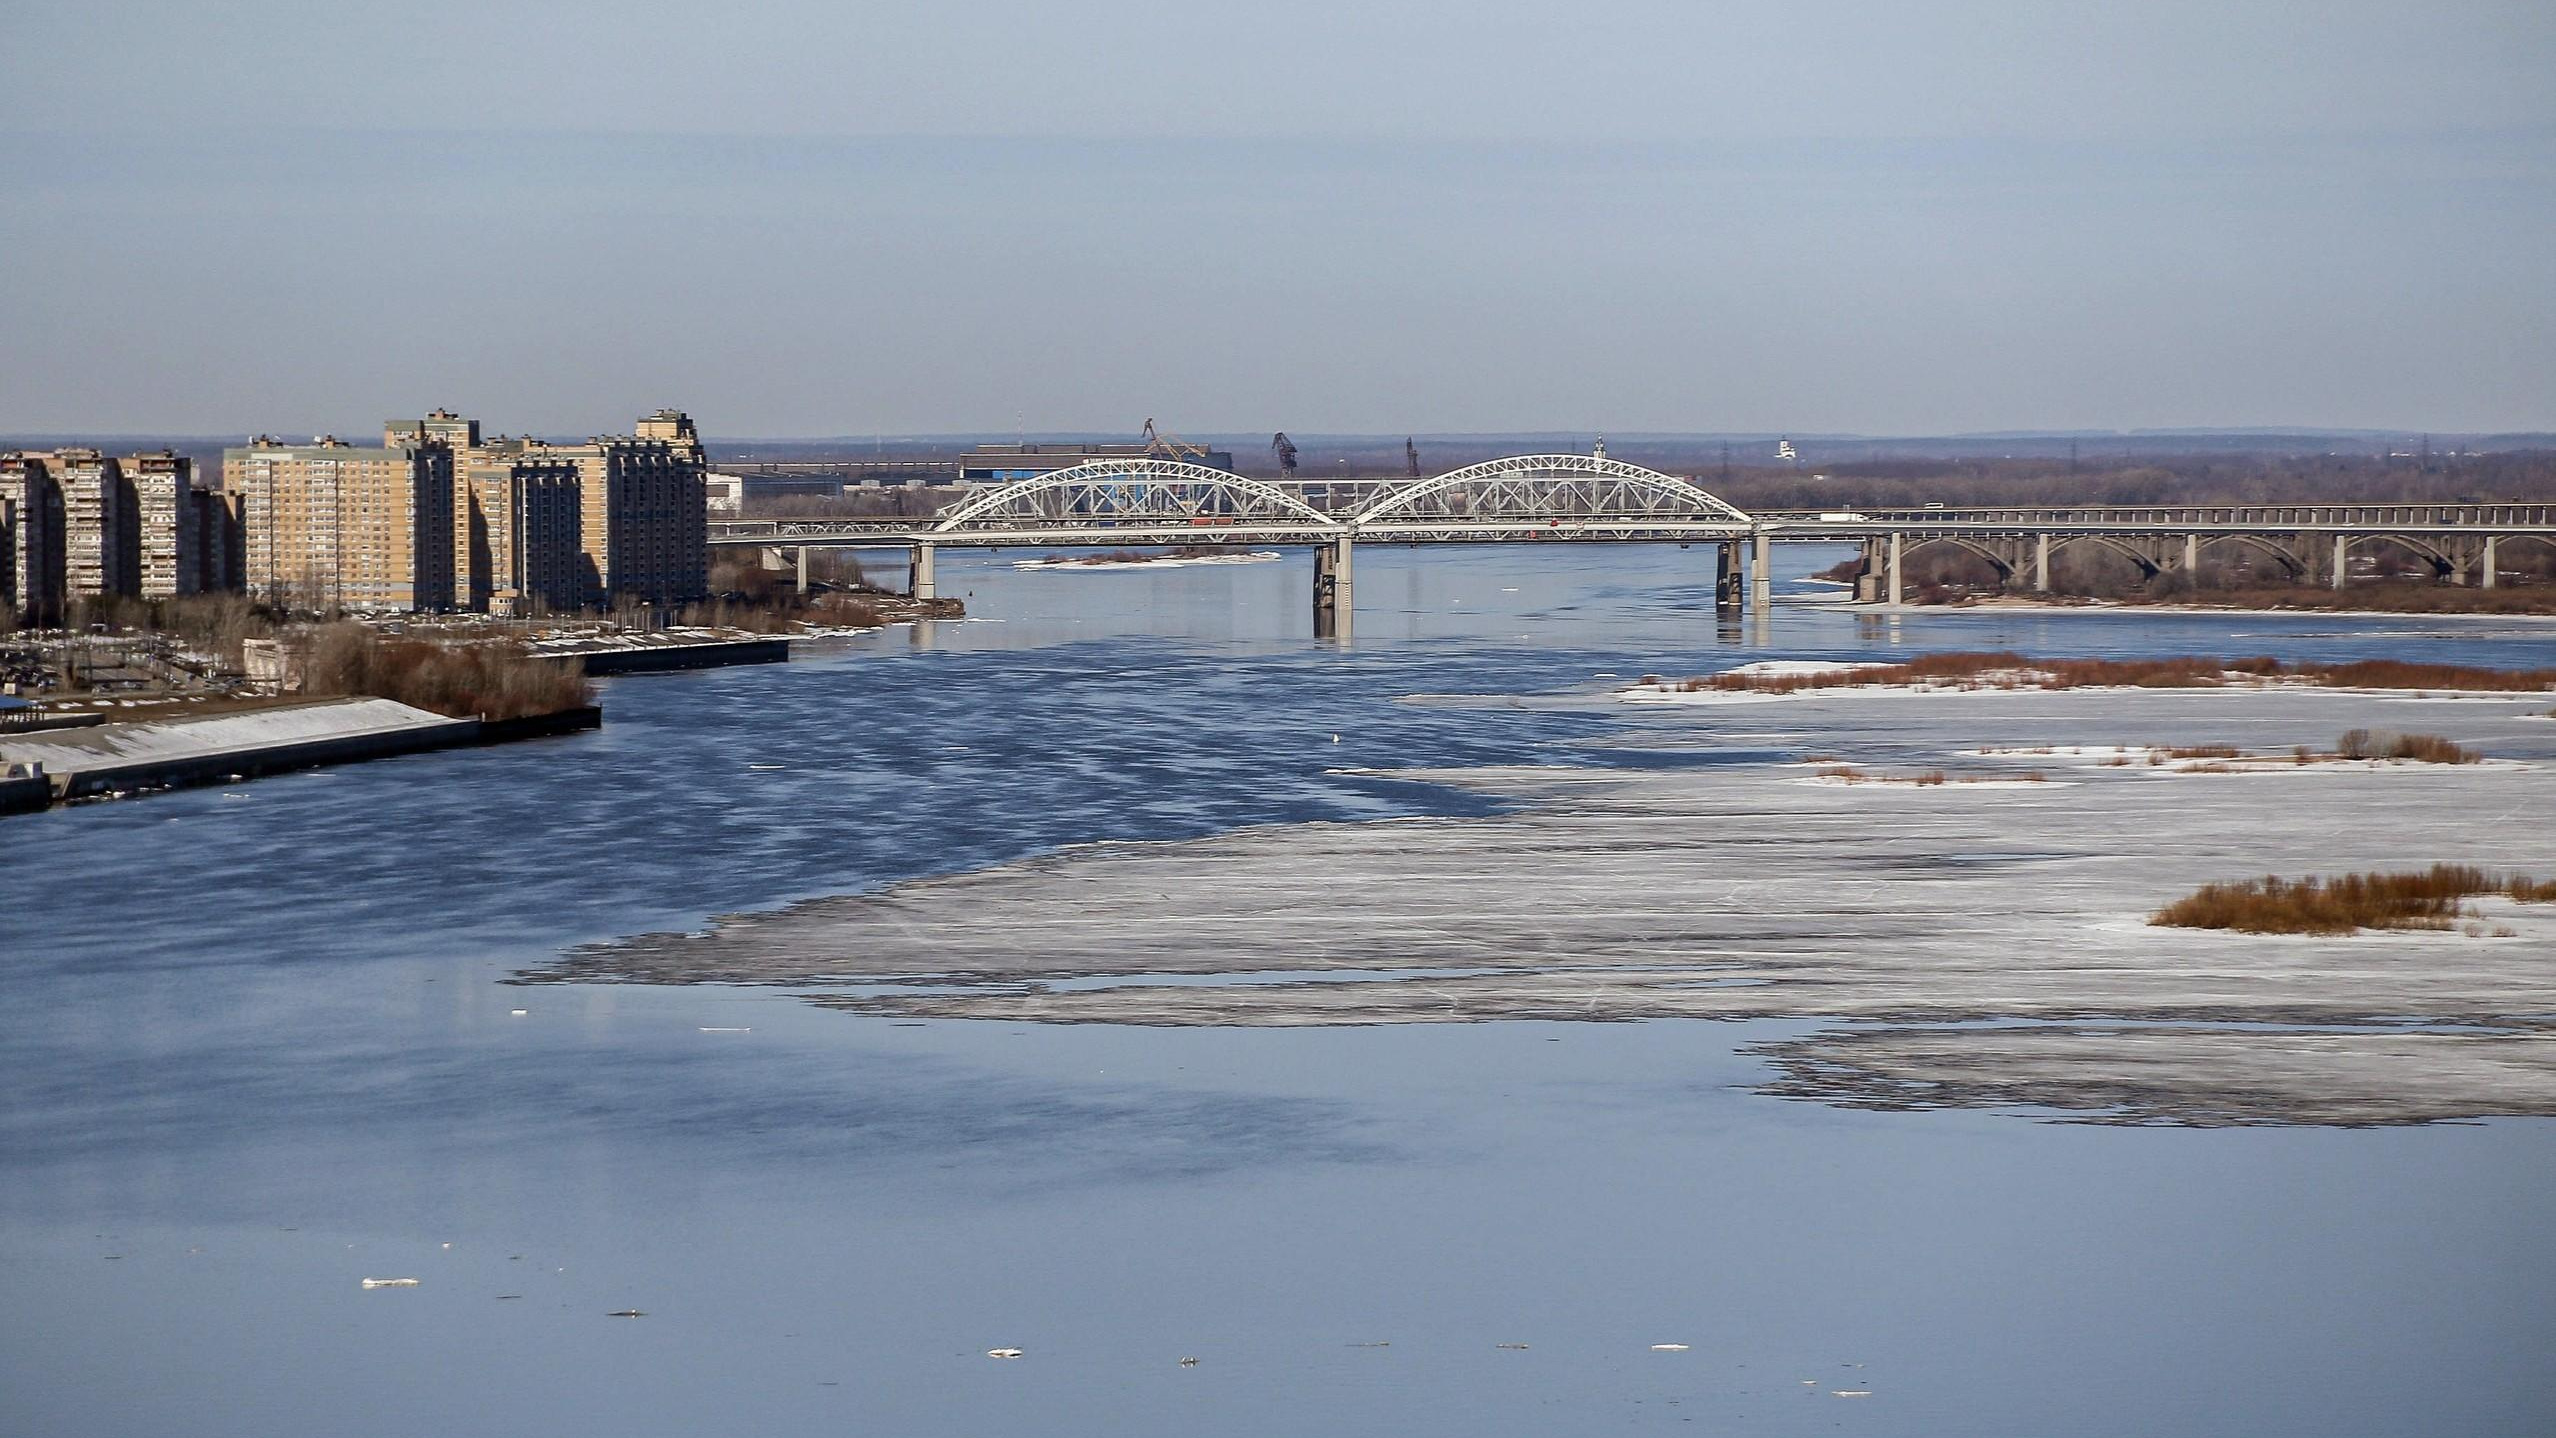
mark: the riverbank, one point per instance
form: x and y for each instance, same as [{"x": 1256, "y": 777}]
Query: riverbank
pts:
[
  {"x": 1997, "y": 931},
  {"x": 123, "y": 758}
]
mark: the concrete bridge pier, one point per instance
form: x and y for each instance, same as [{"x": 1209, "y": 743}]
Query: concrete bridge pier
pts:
[
  {"x": 1334, "y": 600},
  {"x": 1761, "y": 573},
  {"x": 1726, "y": 577},
  {"x": 918, "y": 574},
  {"x": 1868, "y": 571},
  {"x": 1896, "y": 584},
  {"x": 2041, "y": 564},
  {"x": 2342, "y": 570},
  {"x": 2488, "y": 561},
  {"x": 803, "y": 569}
]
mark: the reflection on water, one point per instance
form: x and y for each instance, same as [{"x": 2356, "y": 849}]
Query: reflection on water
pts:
[{"x": 257, "y": 1051}]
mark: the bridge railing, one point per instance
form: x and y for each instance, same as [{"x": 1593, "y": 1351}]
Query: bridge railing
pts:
[{"x": 2264, "y": 516}]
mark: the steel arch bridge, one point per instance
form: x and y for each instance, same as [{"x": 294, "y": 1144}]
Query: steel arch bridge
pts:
[
  {"x": 1155, "y": 501},
  {"x": 1165, "y": 501},
  {"x": 1140, "y": 494},
  {"x": 1548, "y": 491}
]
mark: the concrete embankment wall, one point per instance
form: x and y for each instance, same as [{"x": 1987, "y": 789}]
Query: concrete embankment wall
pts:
[
  {"x": 115, "y": 758},
  {"x": 17, "y": 795},
  {"x": 159, "y": 753},
  {"x": 658, "y": 658}
]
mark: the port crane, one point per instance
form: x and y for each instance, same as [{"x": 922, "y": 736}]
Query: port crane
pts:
[{"x": 1162, "y": 444}]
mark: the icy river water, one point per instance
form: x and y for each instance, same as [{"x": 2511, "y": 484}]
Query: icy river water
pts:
[{"x": 258, "y": 1047}]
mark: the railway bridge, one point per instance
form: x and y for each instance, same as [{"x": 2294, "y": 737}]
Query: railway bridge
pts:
[{"x": 1590, "y": 498}]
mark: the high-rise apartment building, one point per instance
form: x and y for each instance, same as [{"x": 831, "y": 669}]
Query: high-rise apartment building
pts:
[
  {"x": 168, "y": 524},
  {"x": 518, "y": 529},
  {"x": 519, "y": 525},
  {"x": 101, "y": 532},
  {"x": 30, "y": 538},
  {"x": 220, "y": 544},
  {"x": 91, "y": 526},
  {"x": 331, "y": 525},
  {"x": 442, "y": 427},
  {"x": 645, "y": 513}
]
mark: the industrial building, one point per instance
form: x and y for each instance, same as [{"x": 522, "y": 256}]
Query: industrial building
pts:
[{"x": 1003, "y": 463}]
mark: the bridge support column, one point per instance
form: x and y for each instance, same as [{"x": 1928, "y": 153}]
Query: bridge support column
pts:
[
  {"x": 2489, "y": 561},
  {"x": 1334, "y": 596},
  {"x": 2191, "y": 557},
  {"x": 803, "y": 569},
  {"x": 919, "y": 582},
  {"x": 2342, "y": 560},
  {"x": 1726, "y": 576},
  {"x": 2041, "y": 564},
  {"x": 1761, "y": 573},
  {"x": 1896, "y": 586}
]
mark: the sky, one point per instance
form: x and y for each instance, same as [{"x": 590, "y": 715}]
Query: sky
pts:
[{"x": 808, "y": 218}]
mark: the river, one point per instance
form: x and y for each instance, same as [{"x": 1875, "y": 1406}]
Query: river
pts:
[{"x": 259, "y": 1048}]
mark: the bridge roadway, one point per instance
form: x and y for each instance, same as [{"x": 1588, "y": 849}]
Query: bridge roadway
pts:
[{"x": 1591, "y": 498}]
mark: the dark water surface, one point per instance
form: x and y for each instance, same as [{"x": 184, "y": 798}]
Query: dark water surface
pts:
[{"x": 256, "y": 1049}]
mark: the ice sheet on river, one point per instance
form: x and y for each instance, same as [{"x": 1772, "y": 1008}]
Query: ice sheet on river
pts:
[{"x": 1996, "y": 930}]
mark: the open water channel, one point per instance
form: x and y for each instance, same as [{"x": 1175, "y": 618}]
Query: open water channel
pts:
[{"x": 255, "y": 1046}]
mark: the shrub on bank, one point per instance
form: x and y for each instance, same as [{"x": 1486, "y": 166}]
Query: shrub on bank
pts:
[
  {"x": 489, "y": 680},
  {"x": 2428, "y": 899},
  {"x": 2418, "y": 748}
]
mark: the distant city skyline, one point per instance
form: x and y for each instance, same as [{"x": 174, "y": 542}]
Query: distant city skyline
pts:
[{"x": 987, "y": 216}]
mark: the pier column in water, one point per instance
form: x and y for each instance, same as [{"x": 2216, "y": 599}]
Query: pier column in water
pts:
[
  {"x": 1726, "y": 576},
  {"x": 2041, "y": 564},
  {"x": 803, "y": 569},
  {"x": 918, "y": 581},
  {"x": 1333, "y": 593},
  {"x": 1761, "y": 573},
  {"x": 2342, "y": 551},
  {"x": 2485, "y": 565},
  {"x": 2191, "y": 556},
  {"x": 1898, "y": 587}
]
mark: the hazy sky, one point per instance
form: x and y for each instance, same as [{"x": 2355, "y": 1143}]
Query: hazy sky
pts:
[{"x": 838, "y": 218}]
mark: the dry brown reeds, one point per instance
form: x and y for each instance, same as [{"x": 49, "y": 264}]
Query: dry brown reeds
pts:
[
  {"x": 2416, "y": 748},
  {"x": 2425, "y": 899},
  {"x": 490, "y": 680}
]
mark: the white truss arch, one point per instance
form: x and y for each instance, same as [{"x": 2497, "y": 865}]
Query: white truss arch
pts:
[
  {"x": 1104, "y": 493},
  {"x": 1550, "y": 486}
]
